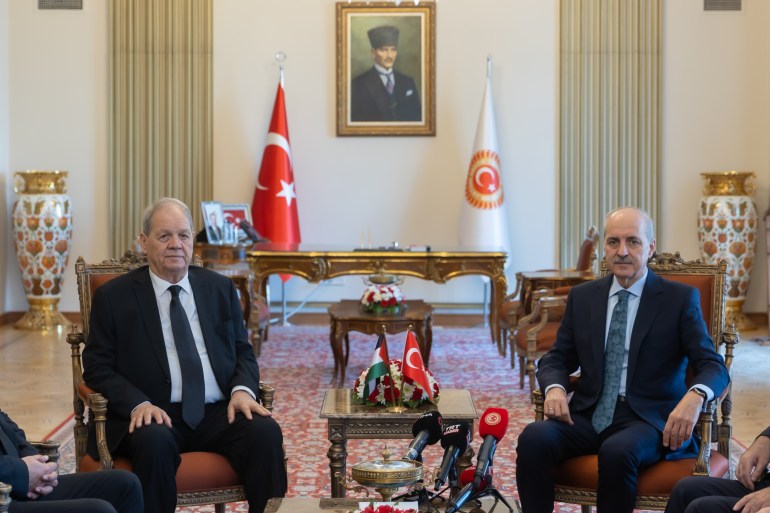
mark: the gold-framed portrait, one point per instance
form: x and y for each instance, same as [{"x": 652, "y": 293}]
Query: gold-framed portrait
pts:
[{"x": 386, "y": 72}]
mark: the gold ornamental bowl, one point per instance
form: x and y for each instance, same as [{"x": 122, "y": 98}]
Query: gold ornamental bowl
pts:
[{"x": 387, "y": 475}]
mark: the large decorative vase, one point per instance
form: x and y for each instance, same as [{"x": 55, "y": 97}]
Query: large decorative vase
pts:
[
  {"x": 42, "y": 229},
  {"x": 727, "y": 229}
]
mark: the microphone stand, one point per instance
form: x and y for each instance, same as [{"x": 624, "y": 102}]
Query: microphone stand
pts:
[{"x": 491, "y": 490}]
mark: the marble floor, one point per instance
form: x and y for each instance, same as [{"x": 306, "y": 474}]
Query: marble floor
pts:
[{"x": 37, "y": 382}]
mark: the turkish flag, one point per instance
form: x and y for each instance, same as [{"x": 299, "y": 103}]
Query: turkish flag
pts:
[
  {"x": 274, "y": 207},
  {"x": 413, "y": 366}
]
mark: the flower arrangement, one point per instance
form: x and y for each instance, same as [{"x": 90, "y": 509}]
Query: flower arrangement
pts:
[
  {"x": 384, "y": 508},
  {"x": 388, "y": 391},
  {"x": 379, "y": 298}
]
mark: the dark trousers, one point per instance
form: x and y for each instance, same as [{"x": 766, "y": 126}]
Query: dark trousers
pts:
[
  {"x": 700, "y": 494},
  {"x": 627, "y": 446},
  {"x": 254, "y": 448},
  {"x": 93, "y": 492}
]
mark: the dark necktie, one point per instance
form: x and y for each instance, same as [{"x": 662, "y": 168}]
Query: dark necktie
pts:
[
  {"x": 613, "y": 364},
  {"x": 193, "y": 397},
  {"x": 8, "y": 446},
  {"x": 389, "y": 84}
]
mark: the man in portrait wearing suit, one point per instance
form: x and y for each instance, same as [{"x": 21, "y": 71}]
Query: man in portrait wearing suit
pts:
[
  {"x": 213, "y": 229},
  {"x": 749, "y": 493},
  {"x": 631, "y": 334},
  {"x": 382, "y": 93},
  {"x": 168, "y": 349},
  {"x": 37, "y": 487}
]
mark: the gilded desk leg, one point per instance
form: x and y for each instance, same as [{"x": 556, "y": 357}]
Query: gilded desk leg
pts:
[
  {"x": 338, "y": 455},
  {"x": 499, "y": 286}
]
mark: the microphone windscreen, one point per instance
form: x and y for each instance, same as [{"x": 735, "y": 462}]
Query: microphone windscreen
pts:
[
  {"x": 430, "y": 422},
  {"x": 456, "y": 435},
  {"x": 494, "y": 422},
  {"x": 469, "y": 473}
]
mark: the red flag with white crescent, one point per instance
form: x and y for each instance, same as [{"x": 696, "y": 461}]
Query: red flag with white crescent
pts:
[
  {"x": 274, "y": 207},
  {"x": 413, "y": 366}
]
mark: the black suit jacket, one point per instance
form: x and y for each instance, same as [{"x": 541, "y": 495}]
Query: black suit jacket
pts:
[
  {"x": 125, "y": 356},
  {"x": 370, "y": 101},
  {"x": 668, "y": 334},
  {"x": 13, "y": 471}
]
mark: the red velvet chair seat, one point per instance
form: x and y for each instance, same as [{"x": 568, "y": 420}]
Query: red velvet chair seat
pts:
[{"x": 199, "y": 471}]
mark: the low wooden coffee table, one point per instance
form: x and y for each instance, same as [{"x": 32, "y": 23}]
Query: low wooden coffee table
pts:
[
  {"x": 349, "y": 420},
  {"x": 346, "y": 316}
]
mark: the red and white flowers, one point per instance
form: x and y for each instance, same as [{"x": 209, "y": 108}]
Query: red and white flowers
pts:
[
  {"x": 389, "y": 387},
  {"x": 382, "y": 299}
]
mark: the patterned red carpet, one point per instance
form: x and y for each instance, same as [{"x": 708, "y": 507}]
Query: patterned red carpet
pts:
[{"x": 297, "y": 360}]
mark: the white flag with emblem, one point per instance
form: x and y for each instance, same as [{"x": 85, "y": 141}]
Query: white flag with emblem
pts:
[{"x": 483, "y": 222}]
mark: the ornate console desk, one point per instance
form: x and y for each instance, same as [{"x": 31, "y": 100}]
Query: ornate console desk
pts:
[{"x": 316, "y": 263}]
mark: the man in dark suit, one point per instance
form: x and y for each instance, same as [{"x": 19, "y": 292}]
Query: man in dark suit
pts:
[
  {"x": 37, "y": 487},
  {"x": 631, "y": 334},
  {"x": 749, "y": 494},
  {"x": 168, "y": 349},
  {"x": 382, "y": 93},
  {"x": 213, "y": 229}
]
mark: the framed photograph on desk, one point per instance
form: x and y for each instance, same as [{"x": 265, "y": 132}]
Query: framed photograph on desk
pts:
[{"x": 213, "y": 221}]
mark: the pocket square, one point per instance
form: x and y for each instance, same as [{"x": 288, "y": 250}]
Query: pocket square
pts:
[{"x": 410, "y": 92}]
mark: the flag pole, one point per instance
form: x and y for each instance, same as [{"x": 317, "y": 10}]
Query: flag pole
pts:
[
  {"x": 387, "y": 366},
  {"x": 489, "y": 66},
  {"x": 280, "y": 57}
]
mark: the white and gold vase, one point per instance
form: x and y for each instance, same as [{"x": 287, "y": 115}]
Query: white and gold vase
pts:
[
  {"x": 727, "y": 229},
  {"x": 42, "y": 235}
]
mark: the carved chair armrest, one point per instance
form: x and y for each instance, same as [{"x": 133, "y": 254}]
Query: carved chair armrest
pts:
[
  {"x": 47, "y": 448},
  {"x": 551, "y": 309},
  {"x": 705, "y": 422},
  {"x": 536, "y": 308},
  {"x": 513, "y": 295},
  {"x": 267, "y": 395},
  {"x": 5, "y": 497}
]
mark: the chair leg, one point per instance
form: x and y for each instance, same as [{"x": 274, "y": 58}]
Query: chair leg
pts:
[
  {"x": 584, "y": 509},
  {"x": 220, "y": 507},
  {"x": 531, "y": 374},
  {"x": 503, "y": 338},
  {"x": 512, "y": 348},
  {"x": 522, "y": 371}
]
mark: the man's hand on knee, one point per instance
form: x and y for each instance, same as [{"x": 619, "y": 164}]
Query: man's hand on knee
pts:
[
  {"x": 682, "y": 420},
  {"x": 147, "y": 413},
  {"x": 754, "y": 502},
  {"x": 241, "y": 401}
]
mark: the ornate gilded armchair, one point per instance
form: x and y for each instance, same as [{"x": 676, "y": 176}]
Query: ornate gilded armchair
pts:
[
  {"x": 202, "y": 477},
  {"x": 577, "y": 478}
]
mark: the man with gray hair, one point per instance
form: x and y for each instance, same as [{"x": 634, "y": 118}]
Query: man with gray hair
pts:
[
  {"x": 168, "y": 349},
  {"x": 382, "y": 93}
]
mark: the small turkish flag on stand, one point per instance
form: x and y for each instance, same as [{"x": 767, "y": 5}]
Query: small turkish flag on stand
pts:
[
  {"x": 274, "y": 207},
  {"x": 413, "y": 367}
]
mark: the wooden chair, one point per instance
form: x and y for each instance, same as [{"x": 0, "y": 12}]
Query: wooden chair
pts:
[
  {"x": 519, "y": 303},
  {"x": 202, "y": 477},
  {"x": 577, "y": 478}
]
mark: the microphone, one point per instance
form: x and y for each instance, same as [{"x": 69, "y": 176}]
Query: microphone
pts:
[
  {"x": 492, "y": 428},
  {"x": 426, "y": 431},
  {"x": 467, "y": 492},
  {"x": 455, "y": 441}
]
